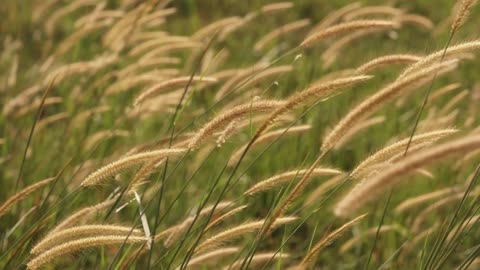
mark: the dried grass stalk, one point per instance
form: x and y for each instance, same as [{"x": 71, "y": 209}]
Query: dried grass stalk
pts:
[
  {"x": 320, "y": 90},
  {"x": 359, "y": 127},
  {"x": 389, "y": 151},
  {"x": 99, "y": 136},
  {"x": 45, "y": 122},
  {"x": 124, "y": 163},
  {"x": 224, "y": 217},
  {"x": 391, "y": 59},
  {"x": 347, "y": 27},
  {"x": 335, "y": 16},
  {"x": 36, "y": 104},
  {"x": 59, "y": 74},
  {"x": 369, "y": 189},
  {"x": 451, "y": 51},
  {"x": 374, "y": 102},
  {"x": 98, "y": 15},
  {"x": 454, "y": 102},
  {"x": 83, "y": 214},
  {"x": 169, "y": 48},
  {"x": 74, "y": 38},
  {"x": 286, "y": 177},
  {"x": 258, "y": 259},
  {"x": 226, "y": 73},
  {"x": 275, "y": 7},
  {"x": 417, "y": 20},
  {"x": 296, "y": 191},
  {"x": 156, "y": 62},
  {"x": 222, "y": 237},
  {"x": 372, "y": 232},
  {"x": 145, "y": 46},
  {"x": 83, "y": 116},
  {"x": 443, "y": 91},
  {"x": 161, "y": 87},
  {"x": 371, "y": 11},
  {"x": 245, "y": 21},
  {"x": 237, "y": 80},
  {"x": 317, "y": 194},
  {"x": 330, "y": 55},
  {"x": 22, "y": 195},
  {"x": 150, "y": 20},
  {"x": 265, "y": 74},
  {"x": 227, "y": 132},
  {"x": 464, "y": 226},
  {"x": 211, "y": 257},
  {"x": 222, "y": 120},
  {"x": 462, "y": 15},
  {"x": 73, "y": 233},
  {"x": 445, "y": 201},
  {"x": 420, "y": 199},
  {"x": 22, "y": 99},
  {"x": 326, "y": 241},
  {"x": 282, "y": 30},
  {"x": 52, "y": 20},
  {"x": 209, "y": 30},
  {"x": 172, "y": 234},
  {"x": 268, "y": 137},
  {"x": 80, "y": 244}
]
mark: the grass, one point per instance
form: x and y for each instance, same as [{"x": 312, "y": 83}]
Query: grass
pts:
[{"x": 177, "y": 189}]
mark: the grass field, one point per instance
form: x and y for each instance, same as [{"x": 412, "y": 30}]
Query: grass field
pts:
[{"x": 239, "y": 134}]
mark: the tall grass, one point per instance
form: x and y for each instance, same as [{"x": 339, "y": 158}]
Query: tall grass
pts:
[{"x": 185, "y": 135}]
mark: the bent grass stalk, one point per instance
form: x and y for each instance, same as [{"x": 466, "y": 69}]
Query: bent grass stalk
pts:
[
  {"x": 222, "y": 120},
  {"x": 391, "y": 150},
  {"x": 318, "y": 91},
  {"x": 258, "y": 259},
  {"x": 90, "y": 230},
  {"x": 22, "y": 195},
  {"x": 225, "y": 216},
  {"x": 282, "y": 30},
  {"x": 101, "y": 174},
  {"x": 369, "y": 233},
  {"x": 358, "y": 128},
  {"x": 177, "y": 82},
  {"x": 326, "y": 241},
  {"x": 276, "y": 7},
  {"x": 346, "y": 27},
  {"x": 211, "y": 257},
  {"x": 443, "y": 91},
  {"x": 335, "y": 16},
  {"x": 371, "y": 11},
  {"x": 227, "y": 235},
  {"x": 462, "y": 15},
  {"x": 392, "y": 59},
  {"x": 267, "y": 137},
  {"x": 450, "y": 51},
  {"x": 81, "y": 215},
  {"x": 285, "y": 177},
  {"x": 380, "y": 98},
  {"x": 443, "y": 202},
  {"x": 369, "y": 189},
  {"x": 174, "y": 233},
  {"x": 80, "y": 244},
  {"x": 417, "y": 20}
]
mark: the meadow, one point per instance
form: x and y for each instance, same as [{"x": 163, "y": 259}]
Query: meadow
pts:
[{"x": 309, "y": 134}]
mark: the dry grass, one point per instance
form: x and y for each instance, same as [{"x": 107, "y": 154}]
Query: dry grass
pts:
[
  {"x": 212, "y": 120},
  {"x": 369, "y": 188}
]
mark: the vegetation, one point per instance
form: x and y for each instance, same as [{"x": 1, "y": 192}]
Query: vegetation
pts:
[{"x": 239, "y": 135}]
